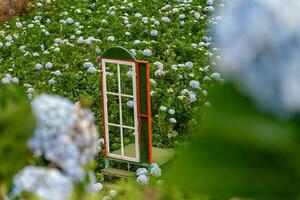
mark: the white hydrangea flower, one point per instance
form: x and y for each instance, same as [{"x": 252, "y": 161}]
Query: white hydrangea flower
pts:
[
  {"x": 163, "y": 108},
  {"x": 197, "y": 15},
  {"x": 47, "y": 184},
  {"x": 113, "y": 193},
  {"x": 155, "y": 170},
  {"x": 106, "y": 198},
  {"x": 95, "y": 187},
  {"x": 111, "y": 38},
  {"x": 210, "y": 2},
  {"x": 19, "y": 25},
  {"x": 142, "y": 180},
  {"x": 15, "y": 80},
  {"x": 173, "y": 120},
  {"x": 130, "y": 104},
  {"x": 172, "y": 112},
  {"x": 216, "y": 76},
  {"x": 5, "y": 81},
  {"x": 57, "y": 73},
  {"x": 141, "y": 171}
]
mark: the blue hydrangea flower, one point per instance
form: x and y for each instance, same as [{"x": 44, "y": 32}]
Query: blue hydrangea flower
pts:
[
  {"x": 154, "y": 33},
  {"x": 189, "y": 64},
  {"x": 48, "y": 65},
  {"x": 88, "y": 64},
  {"x": 69, "y": 20},
  {"x": 192, "y": 96},
  {"x": 194, "y": 84},
  {"x": 147, "y": 52},
  {"x": 65, "y": 134},
  {"x": 155, "y": 170},
  {"x": 182, "y": 16},
  {"x": 141, "y": 171},
  {"x": 46, "y": 183},
  {"x": 92, "y": 70},
  {"x": 132, "y": 52},
  {"x": 165, "y": 19},
  {"x": 38, "y": 66}
]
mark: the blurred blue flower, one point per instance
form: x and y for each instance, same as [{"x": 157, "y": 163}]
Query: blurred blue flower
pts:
[
  {"x": 92, "y": 70},
  {"x": 189, "y": 64},
  {"x": 260, "y": 45},
  {"x": 165, "y": 19},
  {"x": 194, "y": 84},
  {"x": 38, "y": 66}
]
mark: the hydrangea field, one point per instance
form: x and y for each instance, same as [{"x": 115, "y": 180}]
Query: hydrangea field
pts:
[
  {"x": 54, "y": 48},
  {"x": 224, "y": 88}
]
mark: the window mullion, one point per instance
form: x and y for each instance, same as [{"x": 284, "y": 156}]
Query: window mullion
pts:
[{"x": 120, "y": 110}]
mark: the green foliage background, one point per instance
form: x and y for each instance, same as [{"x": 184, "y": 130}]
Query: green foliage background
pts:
[{"x": 240, "y": 151}]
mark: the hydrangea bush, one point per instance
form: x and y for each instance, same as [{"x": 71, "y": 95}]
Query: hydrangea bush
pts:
[{"x": 67, "y": 138}]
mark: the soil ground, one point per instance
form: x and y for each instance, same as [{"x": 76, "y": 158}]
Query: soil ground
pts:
[{"x": 8, "y": 8}]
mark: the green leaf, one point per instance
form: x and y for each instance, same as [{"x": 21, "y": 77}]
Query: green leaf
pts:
[
  {"x": 16, "y": 126},
  {"x": 239, "y": 151}
]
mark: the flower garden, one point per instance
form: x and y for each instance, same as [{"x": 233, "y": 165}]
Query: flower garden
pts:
[{"x": 234, "y": 137}]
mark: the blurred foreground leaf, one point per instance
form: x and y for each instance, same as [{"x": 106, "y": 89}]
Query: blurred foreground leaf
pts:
[
  {"x": 238, "y": 151},
  {"x": 16, "y": 126}
]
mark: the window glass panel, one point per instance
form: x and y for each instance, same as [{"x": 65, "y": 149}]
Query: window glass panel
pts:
[
  {"x": 126, "y": 79},
  {"x": 111, "y": 77},
  {"x": 114, "y": 140},
  {"x": 128, "y": 111},
  {"x": 113, "y": 109},
  {"x": 129, "y": 143}
]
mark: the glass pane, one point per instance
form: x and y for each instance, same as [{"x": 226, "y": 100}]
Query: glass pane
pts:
[
  {"x": 113, "y": 109},
  {"x": 128, "y": 111},
  {"x": 126, "y": 79},
  {"x": 114, "y": 140},
  {"x": 129, "y": 143},
  {"x": 111, "y": 77}
]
